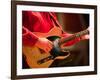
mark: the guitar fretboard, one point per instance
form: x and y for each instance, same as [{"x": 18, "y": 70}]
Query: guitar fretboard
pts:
[{"x": 76, "y": 35}]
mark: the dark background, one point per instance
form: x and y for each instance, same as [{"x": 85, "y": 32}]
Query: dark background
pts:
[{"x": 72, "y": 22}]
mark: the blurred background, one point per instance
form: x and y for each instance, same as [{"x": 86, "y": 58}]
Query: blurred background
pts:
[{"x": 72, "y": 22}]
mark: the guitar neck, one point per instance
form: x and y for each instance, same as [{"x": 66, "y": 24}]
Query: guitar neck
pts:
[{"x": 76, "y": 35}]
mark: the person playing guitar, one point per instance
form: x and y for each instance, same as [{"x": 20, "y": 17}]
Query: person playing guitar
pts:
[{"x": 37, "y": 26}]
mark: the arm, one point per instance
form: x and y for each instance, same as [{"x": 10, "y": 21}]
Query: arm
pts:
[
  {"x": 30, "y": 20},
  {"x": 28, "y": 38}
]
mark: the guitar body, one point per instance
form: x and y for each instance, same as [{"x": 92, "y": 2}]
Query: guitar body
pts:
[
  {"x": 34, "y": 54},
  {"x": 37, "y": 58}
]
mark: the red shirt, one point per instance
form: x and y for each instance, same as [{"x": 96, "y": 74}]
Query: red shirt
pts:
[{"x": 39, "y": 22}]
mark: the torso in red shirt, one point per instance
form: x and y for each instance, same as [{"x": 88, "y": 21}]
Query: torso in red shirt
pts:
[{"x": 38, "y": 22}]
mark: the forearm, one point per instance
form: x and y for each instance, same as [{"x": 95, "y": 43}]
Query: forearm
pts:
[{"x": 28, "y": 38}]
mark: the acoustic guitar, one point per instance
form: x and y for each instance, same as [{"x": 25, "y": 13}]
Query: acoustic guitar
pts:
[{"x": 37, "y": 58}]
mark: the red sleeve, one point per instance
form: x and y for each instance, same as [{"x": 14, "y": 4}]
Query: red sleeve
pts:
[
  {"x": 28, "y": 21},
  {"x": 28, "y": 38}
]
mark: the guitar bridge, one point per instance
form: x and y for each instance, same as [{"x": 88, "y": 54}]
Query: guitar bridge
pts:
[{"x": 45, "y": 59}]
